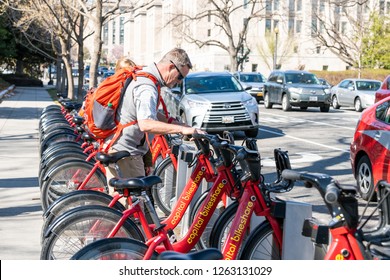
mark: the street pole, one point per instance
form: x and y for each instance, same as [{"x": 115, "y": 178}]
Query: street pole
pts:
[{"x": 276, "y": 30}]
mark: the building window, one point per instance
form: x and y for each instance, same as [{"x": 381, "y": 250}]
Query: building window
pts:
[
  {"x": 113, "y": 32},
  {"x": 254, "y": 67},
  {"x": 268, "y": 25},
  {"x": 325, "y": 67},
  {"x": 291, "y": 23},
  {"x": 322, "y": 5},
  {"x": 291, "y": 5},
  {"x": 245, "y": 4},
  {"x": 299, "y": 5},
  {"x": 276, "y": 5},
  {"x": 299, "y": 26},
  {"x": 296, "y": 49},
  {"x": 314, "y": 27},
  {"x": 268, "y": 6},
  {"x": 381, "y": 7},
  {"x": 209, "y": 16},
  {"x": 121, "y": 30},
  {"x": 318, "y": 49},
  {"x": 208, "y": 32},
  {"x": 343, "y": 27},
  {"x": 105, "y": 34}
]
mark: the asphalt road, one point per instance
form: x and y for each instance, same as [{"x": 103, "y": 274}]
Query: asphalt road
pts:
[{"x": 315, "y": 141}]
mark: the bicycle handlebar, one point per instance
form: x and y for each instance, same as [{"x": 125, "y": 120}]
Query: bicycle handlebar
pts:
[{"x": 340, "y": 200}]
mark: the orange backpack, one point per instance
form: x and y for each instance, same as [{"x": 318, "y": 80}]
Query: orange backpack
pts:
[{"x": 101, "y": 104}]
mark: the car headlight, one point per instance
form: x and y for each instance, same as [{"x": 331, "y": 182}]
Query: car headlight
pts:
[
  {"x": 327, "y": 91},
  {"x": 194, "y": 104},
  {"x": 295, "y": 90},
  {"x": 250, "y": 102}
]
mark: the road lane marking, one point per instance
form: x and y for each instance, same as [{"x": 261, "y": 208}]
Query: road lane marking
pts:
[{"x": 305, "y": 140}]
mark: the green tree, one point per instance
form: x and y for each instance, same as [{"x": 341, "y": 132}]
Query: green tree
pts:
[{"x": 376, "y": 48}]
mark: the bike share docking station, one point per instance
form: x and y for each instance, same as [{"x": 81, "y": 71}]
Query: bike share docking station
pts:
[{"x": 295, "y": 245}]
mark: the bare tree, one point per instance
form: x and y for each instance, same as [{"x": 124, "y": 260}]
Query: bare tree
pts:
[
  {"x": 230, "y": 36},
  {"x": 343, "y": 30}
]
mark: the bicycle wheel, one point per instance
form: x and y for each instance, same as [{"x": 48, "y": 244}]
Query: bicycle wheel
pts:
[
  {"x": 59, "y": 159},
  {"x": 81, "y": 226},
  {"x": 67, "y": 177},
  {"x": 114, "y": 249},
  {"x": 165, "y": 192},
  {"x": 73, "y": 200},
  {"x": 203, "y": 243},
  {"x": 261, "y": 244}
]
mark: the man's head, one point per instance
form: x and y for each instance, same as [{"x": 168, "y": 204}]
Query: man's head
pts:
[{"x": 174, "y": 66}]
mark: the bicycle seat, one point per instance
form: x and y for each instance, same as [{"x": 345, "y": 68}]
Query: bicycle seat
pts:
[
  {"x": 106, "y": 159},
  {"x": 135, "y": 185},
  {"x": 206, "y": 254}
]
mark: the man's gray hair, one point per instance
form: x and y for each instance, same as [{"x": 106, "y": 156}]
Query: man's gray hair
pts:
[{"x": 177, "y": 56}]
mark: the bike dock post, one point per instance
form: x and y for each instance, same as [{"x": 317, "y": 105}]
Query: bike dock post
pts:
[
  {"x": 186, "y": 154},
  {"x": 295, "y": 245}
]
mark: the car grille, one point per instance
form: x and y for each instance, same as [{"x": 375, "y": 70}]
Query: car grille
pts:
[
  {"x": 312, "y": 91},
  {"x": 218, "y": 110}
]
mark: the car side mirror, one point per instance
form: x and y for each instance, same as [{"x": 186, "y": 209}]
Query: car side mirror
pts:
[
  {"x": 351, "y": 88},
  {"x": 176, "y": 91},
  {"x": 248, "y": 87}
]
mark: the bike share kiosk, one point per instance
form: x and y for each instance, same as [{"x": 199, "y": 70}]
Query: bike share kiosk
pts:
[{"x": 295, "y": 246}]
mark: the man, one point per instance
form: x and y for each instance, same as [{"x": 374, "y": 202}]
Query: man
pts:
[{"x": 140, "y": 103}]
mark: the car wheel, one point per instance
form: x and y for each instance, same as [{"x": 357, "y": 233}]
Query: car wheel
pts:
[
  {"x": 335, "y": 102},
  {"x": 358, "y": 105},
  {"x": 286, "y": 106},
  {"x": 267, "y": 103},
  {"x": 325, "y": 108},
  {"x": 364, "y": 178},
  {"x": 251, "y": 133}
]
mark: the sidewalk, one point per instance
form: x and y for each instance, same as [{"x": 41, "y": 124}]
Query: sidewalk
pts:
[{"x": 20, "y": 207}]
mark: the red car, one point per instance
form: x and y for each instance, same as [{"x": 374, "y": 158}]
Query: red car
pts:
[
  {"x": 384, "y": 90},
  {"x": 370, "y": 156}
]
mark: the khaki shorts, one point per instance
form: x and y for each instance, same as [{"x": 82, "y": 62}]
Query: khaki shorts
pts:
[{"x": 129, "y": 167}]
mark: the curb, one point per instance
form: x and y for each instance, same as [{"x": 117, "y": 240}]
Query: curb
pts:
[{"x": 7, "y": 93}]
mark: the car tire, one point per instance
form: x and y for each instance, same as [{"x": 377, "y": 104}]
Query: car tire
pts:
[
  {"x": 364, "y": 179},
  {"x": 251, "y": 133},
  {"x": 358, "y": 105},
  {"x": 335, "y": 102},
  {"x": 286, "y": 106},
  {"x": 325, "y": 108},
  {"x": 267, "y": 102}
]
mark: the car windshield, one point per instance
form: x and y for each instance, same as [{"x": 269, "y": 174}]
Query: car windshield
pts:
[
  {"x": 368, "y": 85},
  {"x": 249, "y": 78},
  {"x": 206, "y": 84},
  {"x": 302, "y": 78}
]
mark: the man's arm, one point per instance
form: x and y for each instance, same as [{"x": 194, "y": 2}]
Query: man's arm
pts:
[{"x": 158, "y": 127}]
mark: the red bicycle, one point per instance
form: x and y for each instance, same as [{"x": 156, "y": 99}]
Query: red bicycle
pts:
[
  {"x": 246, "y": 190},
  {"x": 344, "y": 235}
]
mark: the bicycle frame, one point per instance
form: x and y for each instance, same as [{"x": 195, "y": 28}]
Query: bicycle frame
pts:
[{"x": 161, "y": 147}]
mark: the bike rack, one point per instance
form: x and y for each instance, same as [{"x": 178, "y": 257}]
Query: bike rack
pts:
[{"x": 295, "y": 246}]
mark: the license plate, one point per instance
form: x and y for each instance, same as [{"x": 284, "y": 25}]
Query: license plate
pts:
[
  {"x": 227, "y": 119},
  {"x": 313, "y": 98}
]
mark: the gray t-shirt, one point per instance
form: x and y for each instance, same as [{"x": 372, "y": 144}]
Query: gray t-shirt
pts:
[{"x": 139, "y": 103}]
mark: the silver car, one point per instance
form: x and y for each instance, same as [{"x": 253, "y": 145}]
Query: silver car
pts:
[
  {"x": 254, "y": 81},
  {"x": 213, "y": 101},
  {"x": 359, "y": 93}
]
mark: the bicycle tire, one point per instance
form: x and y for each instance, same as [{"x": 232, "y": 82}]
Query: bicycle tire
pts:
[
  {"x": 58, "y": 159},
  {"x": 73, "y": 230},
  {"x": 165, "y": 192},
  {"x": 73, "y": 200},
  {"x": 57, "y": 138},
  {"x": 222, "y": 226},
  {"x": 203, "y": 242},
  {"x": 62, "y": 179},
  {"x": 114, "y": 249},
  {"x": 260, "y": 244}
]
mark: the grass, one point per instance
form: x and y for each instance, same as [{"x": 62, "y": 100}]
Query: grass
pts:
[{"x": 53, "y": 93}]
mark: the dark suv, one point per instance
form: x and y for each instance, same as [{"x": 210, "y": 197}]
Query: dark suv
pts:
[{"x": 296, "y": 88}]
